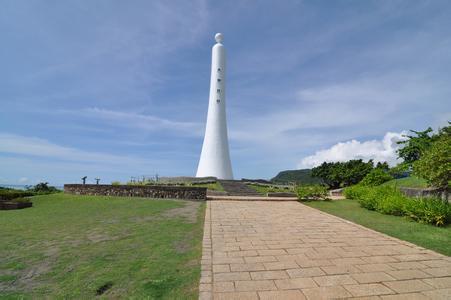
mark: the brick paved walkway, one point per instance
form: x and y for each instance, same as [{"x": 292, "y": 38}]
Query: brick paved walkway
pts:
[{"x": 286, "y": 250}]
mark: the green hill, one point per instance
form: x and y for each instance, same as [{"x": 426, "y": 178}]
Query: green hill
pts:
[
  {"x": 299, "y": 176},
  {"x": 410, "y": 181}
]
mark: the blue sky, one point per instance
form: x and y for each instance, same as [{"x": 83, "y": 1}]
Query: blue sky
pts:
[{"x": 114, "y": 89}]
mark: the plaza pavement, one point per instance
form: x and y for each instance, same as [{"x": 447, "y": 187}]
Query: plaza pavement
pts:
[{"x": 286, "y": 250}]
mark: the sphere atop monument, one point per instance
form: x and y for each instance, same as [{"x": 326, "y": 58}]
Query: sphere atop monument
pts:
[{"x": 219, "y": 37}]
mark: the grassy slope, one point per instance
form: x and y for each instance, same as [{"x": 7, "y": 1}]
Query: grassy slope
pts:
[
  {"x": 410, "y": 181},
  {"x": 302, "y": 176},
  {"x": 428, "y": 236},
  {"x": 265, "y": 189},
  {"x": 69, "y": 246}
]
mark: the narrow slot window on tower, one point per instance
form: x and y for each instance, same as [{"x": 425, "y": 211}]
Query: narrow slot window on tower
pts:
[
  {"x": 219, "y": 79},
  {"x": 218, "y": 90},
  {"x": 218, "y": 100},
  {"x": 219, "y": 69}
]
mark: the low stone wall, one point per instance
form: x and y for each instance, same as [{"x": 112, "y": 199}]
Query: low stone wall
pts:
[
  {"x": 147, "y": 191},
  {"x": 426, "y": 192}
]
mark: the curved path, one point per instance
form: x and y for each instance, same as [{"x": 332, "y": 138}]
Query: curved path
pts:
[{"x": 286, "y": 250}]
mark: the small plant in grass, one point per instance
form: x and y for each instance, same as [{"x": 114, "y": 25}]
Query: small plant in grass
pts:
[
  {"x": 376, "y": 177},
  {"x": 116, "y": 183},
  {"x": 308, "y": 192}
]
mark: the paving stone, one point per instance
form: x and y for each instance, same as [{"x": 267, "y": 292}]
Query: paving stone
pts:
[
  {"x": 331, "y": 280},
  {"x": 260, "y": 259},
  {"x": 255, "y": 285},
  {"x": 281, "y": 295},
  {"x": 326, "y": 292},
  {"x": 283, "y": 250},
  {"x": 223, "y": 287},
  {"x": 369, "y": 289},
  {"x": 281, "y": 265},
  {"x": 269, "y": 275},
  {"x": 444, "y": 282},
  {"x": 408, "y": 286},
  {"x": 409, "y": 296},
  {"x": 305, "y": 272},
  {"x": 373, "y": 277},
  {"x": 438, "y": 272},
  {"x": 375, "y": 267},
  {"x": 444, "y": 294},
  {"x": 408, "y": 274},
  {"x": 221, "y": 268},
  {"x": 247, "y": 267},
  {"x": 231, "y": 276},
  {"x": 344, "y": 269},
  {"x": 295, "y": 283},
  {"x": 236, "y": 296}
]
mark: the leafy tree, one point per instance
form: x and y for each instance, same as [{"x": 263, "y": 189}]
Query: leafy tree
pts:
[
  {"x": 339, "y": 174},
  {"x": 415, "y": 145},
  {"x": 44, "y": 188},
  {"x": 382, "y": 165},
  {"x": 376, "y": 177},
  {"x": 435, "y": 164}
]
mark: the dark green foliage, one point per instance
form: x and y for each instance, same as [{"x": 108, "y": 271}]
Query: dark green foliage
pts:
[
  {"x": 342, "y": 174},
  {"x": 43, "y": 188},
  {"x": 389, "y": 200},
  {"x": 303, "y": 176},
  {"x": 435, "y": 164},
  {"x": 382, "y": 166},
  {"x": 415, "y": 145},
  {"x": 311, "y": 192},
  {"x": 429, "y": 211},
  {"x": 9, "y": 194},
  {"x": 376, "y": 177},
  {"x": 355, "y": 192}
]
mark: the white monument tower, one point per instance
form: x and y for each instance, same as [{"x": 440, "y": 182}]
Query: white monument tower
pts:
[{"x": 215, "y": 157}]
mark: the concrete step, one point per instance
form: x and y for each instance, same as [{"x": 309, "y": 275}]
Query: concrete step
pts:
[
  {"x": 237, "y": 188},
  {"x": 250, "y": 198}
]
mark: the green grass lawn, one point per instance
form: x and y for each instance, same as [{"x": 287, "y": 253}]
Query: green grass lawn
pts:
[
  {"x": 428, "y": 236},
  {"x": 69, "y": 246},
  {"x": 410, "y": 181},
  {"x": 265, "y": 189}
]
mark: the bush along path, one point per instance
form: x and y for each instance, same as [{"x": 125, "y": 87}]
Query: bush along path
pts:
[{"x": 389, "y": 200}]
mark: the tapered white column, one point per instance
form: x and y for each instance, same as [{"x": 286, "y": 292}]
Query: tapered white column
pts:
[{"x": 215, "y": 157}]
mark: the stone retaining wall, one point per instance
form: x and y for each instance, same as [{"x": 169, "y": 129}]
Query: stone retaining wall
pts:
[
  {"x": 147, "y": 191},
  {"x": 425, "y": 192}
]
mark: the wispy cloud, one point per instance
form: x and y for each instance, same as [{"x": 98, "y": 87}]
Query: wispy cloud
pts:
[{"x": 32, "y": 146}]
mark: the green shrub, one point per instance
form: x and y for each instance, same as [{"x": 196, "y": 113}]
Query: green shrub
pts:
[
  {"x": 355, "y": 192},
  {"x": 376, "y": 177},
  {"x": 389, "y": 200},
  {"x": 429, "y": 210},
  {"x": 8, "y": 194},
  {"x": 393, "y": 204},
  {"x": 311, "y": 192},
  {"x": 116, "y": 183}
]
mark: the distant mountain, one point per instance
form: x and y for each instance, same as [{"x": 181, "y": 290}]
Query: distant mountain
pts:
[{"x": 303, "y": 176}]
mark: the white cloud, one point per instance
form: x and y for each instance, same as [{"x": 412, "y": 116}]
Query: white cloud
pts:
[
  {"x": 377, "y": 150},
  {"x": 23, "y": 180}
]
